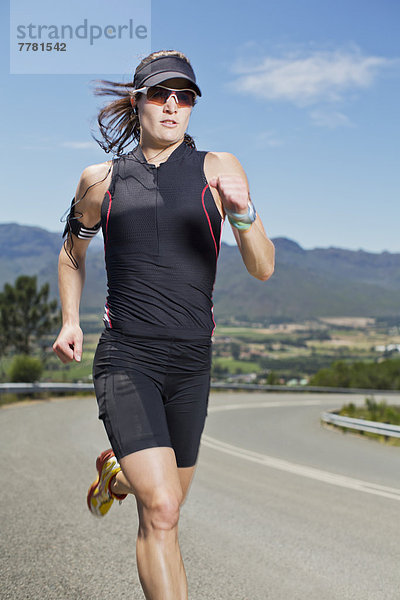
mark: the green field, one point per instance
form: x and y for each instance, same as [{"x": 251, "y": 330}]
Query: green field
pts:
[
  {"x": 290, "y": 350},
  {"x": 236, "y": 366}
]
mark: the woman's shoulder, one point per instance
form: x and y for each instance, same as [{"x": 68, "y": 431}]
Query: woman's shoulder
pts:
[
  {"x": 221, "y": 160},
  {"x": 96, "y": 170},
  {"x": 221, "y": 157},
  {"x": 219, "y": 154},
  {"x": 94, "y": 181}
]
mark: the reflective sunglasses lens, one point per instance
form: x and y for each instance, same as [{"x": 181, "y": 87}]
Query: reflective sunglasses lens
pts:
[
  {"x": 185, "y": 98},
  {"x": 159, "y": 95}
]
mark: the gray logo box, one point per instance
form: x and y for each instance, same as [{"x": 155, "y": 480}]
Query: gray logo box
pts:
[{"x": 78, "y": 38}]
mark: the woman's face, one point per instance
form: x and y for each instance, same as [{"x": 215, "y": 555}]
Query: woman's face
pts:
[{"x": 161, "y": 125}]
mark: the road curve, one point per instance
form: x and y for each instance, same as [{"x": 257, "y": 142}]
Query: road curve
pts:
[{"x": 280, "y": 508}]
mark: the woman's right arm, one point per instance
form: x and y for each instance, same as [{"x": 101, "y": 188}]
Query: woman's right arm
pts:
[{"x": 68, "y": 345}]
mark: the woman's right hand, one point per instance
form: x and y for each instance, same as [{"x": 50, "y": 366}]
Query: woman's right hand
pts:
[{"x": 68, "y": 345}]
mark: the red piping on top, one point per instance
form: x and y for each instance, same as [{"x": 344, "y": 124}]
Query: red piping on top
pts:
[
  {"x": 208, "y": 219},
  {"x": 216, "y": 250}
]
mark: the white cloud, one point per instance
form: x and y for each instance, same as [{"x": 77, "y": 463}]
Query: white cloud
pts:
[
  {"x": 79, "y": 145},
  {"x": 308, "y": 78},
  {"x": 330, "y": 119},
  {"x": 45, "y": 143}
]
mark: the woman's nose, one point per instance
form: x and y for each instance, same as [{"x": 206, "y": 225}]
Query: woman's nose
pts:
[{"x": 172, "y": 102}]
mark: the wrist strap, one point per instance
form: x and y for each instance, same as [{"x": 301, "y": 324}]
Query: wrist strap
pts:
[
  {"x": 239, "y": 224},
  {"x": 241, "y": 221}
]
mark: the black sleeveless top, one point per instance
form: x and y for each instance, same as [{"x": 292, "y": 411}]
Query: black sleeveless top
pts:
[{"x": 162, "y": 236}]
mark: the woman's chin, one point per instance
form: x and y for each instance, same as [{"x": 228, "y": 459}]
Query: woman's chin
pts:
[
  {"x": 162, "y": 137},
  {"x": 170, "y": 136}
]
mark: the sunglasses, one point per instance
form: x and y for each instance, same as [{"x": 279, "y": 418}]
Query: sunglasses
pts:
[{"x": 158, "y": 94}]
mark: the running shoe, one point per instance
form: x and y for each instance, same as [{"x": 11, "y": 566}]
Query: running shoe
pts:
[{"x": 100, "y": 497}]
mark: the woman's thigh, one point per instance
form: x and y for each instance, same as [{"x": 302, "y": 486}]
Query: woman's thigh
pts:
[
  {"x": 129, "y": 394},
  {"x": 153, "y": 476},
  {"x": 132, "y": 410},
  {"x": 153, "y": 393},
  {"x": 186, "y": 412},
  {"x": 186, "y": 389}
]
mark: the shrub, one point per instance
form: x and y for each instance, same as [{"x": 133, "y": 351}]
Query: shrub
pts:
[
  {"x": 26, "y": 369},
  {"x": 373, "y": 411},
  {"x": 273, "y": 378}
]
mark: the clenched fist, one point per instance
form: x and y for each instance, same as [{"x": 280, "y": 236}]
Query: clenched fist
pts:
[
  {"x": 233, "y": 192},
  {"x": 68, "y": 345}
]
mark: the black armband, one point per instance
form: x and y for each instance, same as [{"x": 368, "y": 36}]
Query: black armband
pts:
[{"x": 77, "y": 228}]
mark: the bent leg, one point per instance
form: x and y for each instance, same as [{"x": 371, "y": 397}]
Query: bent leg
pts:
[
  {"x": 152, "y": 474},
  {"x": 120, "y": 485}
]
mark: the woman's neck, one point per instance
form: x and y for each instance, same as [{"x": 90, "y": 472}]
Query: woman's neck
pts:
[{"x": 157, "y": 153}]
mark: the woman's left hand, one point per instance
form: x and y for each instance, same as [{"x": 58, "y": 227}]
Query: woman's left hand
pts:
[{"x": 233, "y": 192}]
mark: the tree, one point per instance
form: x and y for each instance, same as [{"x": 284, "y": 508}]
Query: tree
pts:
[
  {"x": 368, "y": 375},
  {"x": 26, "y": 315},
  {"x": 235, "y": 350}
]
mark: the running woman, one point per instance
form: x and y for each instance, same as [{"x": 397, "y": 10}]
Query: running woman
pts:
[{"x": 161, "y": 208}]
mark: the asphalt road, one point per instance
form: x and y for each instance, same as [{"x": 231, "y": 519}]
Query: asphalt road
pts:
[{"x": 280, "y": 507}]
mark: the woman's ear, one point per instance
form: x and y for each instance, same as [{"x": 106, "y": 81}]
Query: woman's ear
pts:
[{"x": 133, "y": 104}]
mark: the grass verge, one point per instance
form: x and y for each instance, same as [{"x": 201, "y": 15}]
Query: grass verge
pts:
[{"x": 372, "y": 411}]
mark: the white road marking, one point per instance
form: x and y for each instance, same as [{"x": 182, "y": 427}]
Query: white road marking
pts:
[
  {"x": 243, "y": 405},
  {"x": 297, "y": 469}
]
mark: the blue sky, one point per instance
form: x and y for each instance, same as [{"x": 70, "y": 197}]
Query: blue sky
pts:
[{"x": 304, "y": 93}]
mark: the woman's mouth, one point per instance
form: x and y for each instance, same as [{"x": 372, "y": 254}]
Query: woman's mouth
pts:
[{"x": 169, "y": 123}]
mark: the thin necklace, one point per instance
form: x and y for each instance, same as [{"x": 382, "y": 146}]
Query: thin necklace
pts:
[{"x": 155, "y": 156}]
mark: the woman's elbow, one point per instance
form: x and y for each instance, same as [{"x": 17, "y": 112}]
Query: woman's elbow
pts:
[
  {"x": 264, "y": 274},
  {"x": 267, "y": 274}
]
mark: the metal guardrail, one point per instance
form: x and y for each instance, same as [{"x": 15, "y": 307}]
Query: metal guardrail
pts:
[
  {"x": 328, "y": 417},
  {"x": 385, "y": 429},
  {"x": 31, "y": 388},
  {"x": 299, "y": 388}
]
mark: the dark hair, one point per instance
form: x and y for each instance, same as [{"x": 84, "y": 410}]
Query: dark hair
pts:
[{"x": 118, "y": 121}]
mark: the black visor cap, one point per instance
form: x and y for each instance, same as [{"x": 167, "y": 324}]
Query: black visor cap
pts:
[{"x": 165, "y": 67}]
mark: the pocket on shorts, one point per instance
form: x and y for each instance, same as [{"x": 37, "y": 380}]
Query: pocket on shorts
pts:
[{"x": 100, "y": 372}]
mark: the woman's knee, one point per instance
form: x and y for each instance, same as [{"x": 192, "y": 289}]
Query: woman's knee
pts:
[{"x": 160, "y": 512}]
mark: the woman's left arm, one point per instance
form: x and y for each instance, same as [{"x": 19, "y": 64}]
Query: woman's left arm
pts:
[{"x": 257, "y": 250}]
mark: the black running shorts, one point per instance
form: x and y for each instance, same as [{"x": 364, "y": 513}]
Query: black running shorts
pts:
[{"x": 152, "y": 392}]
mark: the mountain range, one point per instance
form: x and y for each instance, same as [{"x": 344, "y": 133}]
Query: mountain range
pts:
[{"x": 322, "y": 282}]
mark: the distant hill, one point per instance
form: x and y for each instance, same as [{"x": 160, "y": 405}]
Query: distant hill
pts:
[
  {"x": 34, "y": 251},
  {"x": 306, "y": 283}
]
